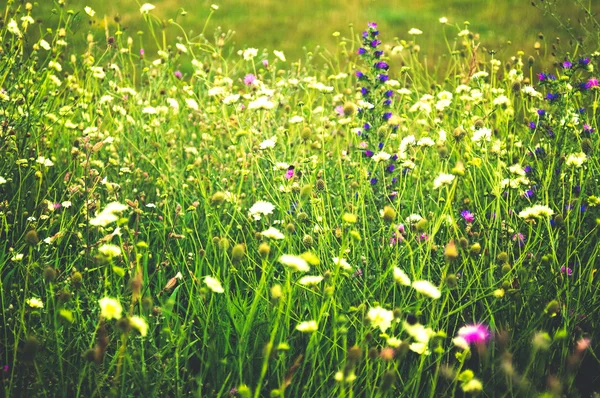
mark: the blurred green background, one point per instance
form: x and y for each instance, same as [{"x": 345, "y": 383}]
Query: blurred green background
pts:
[{"x": 506, "y": 26}]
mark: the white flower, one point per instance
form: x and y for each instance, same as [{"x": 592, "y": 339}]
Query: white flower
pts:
[
  {"x": 415, "y": 32},
  {"x": 501, "y": 100},
  {"x": 443, "y": 20},
  {"x": 17, "y": 257},
  {"x": 342, "y": 263},
  {"x": 517, "y": 169},
  {"x": 146, "y": 8},
  {"x": 45, "y": 161},
  {"x": 426, "y": 141},
  {"x": 310, "y": 280},
  {"x": 273, "y": 233},
  {"x": 321, "y": 87},
  {"x": 380, "y": 318},
  {"x": 261, "y": 103},
  {"x": 576, "y": 159},
  {"x": 279, "y": 55},
  {"x": 2, "y": 180},
  {"x": 109, "y": 250},
  {"x": 378, "y": 157},
  {"x": 307, "y": 327},
  {"x": 181, "y": 47},
  {"x": 419, "y": 348},
  {"x": 482, "y": 134},
  {"x": 531, "y": 92},
  {"x": 35, "y": 303},
  {"x": 268, "y": 143},
  {"x": 89, "y": 11},
  {"x": 296, "y": 119},
  {"x": 231, "y": 99},
  {"x": 214, "y": 284},
  {"x": 463, "y": 33},
  {"x": 443, "y": 179},
  {"x": 108, "y": 215},
  {"x": 479, "y": 75},
  {"x": 295, "y": 263},
  {"x": 45, "y": 45},
  {"x": 260, "y": 208},
  {"x": 401, "y": 277},
  {"x": 13, "y": 28},
  {"x": 192, "y": 104},
  {"x": 536, "y": 211},
  {"x": 110, "y": 308},
  {"x": 249, "y": 53},
  {"x": 139, "y": 324},
  {"x": 427, "y": 288},
  {"x": 214, "y": 7},
  {"x": 149, "y": 110}
]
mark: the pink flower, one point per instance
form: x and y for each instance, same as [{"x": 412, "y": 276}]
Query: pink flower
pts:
[
  {"x": 476, "y": 333},
  {"x": 265, "y": 63},
  {"x": 249, "y": 79}
]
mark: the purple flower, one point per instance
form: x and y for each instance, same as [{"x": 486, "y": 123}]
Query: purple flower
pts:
[
  {"x": 375, "y": 43},
  {"x": 372, "y": 25},
  {"x": 587, "y": 128},
  {"x": 178, "y": 74},
  {"x": 366, "y": 126},
  {"x": 382, "y": 65},
  {"x": 339, "y": 110},
  {"x": 551, "y": 97},
  {"x": 383, "y": 78},
  {"x": 476, "y": 333},
  {"x": 391, "y": 168},
  {"x": 290, "y": 173},
  {"x": 265, "y": 63},
  {"x": 468, "y": 216},
  {"x": 387, "y": 115},
  {"x": 542, "y": 77},
  {"x": 364, "y": 91},
  {"x": 584, "y": 61},
  {"x": 593, "y": 82},
  {"x": 541, "y": 112},
  {"x": 567, "y": 65},
  {"x": 519, "y": 238},
  {"x": 360, "y": 75},
  {"x": 142, "y": 52},
  {"x": 369, "y": 153},
  {"x": 532, "y": 125},
  {"x": 378, "y": 54},
  {"x": 373, "y": 181},
  {"x": 566, "y": 270},
  {"x": 361, "y": 51},
  {"x": 249, "y": 79},
  {"x": 387, "y": 102}
]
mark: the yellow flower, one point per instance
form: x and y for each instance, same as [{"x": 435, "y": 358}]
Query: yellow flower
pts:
[
  {"x": 35, "y": 303},
  {"x": 110, "y": 308},
  {"x": 307, "y": 327},
  {"x": 139, "y": 324}
]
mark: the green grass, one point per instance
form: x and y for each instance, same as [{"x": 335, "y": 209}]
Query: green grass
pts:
[{"x": 134, "y": 261}]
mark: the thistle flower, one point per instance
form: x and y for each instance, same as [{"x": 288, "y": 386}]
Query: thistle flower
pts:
[{"x": 474, "y": 333}]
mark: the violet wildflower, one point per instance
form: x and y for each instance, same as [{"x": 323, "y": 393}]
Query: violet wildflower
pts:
[
  {"x": 366, "y": 126},
  {"x": 541, "y": 112},
  {"x": 368, "y": 153},
  {"x": 373, "y": 181},
  {"x": 387, "y": 115},
  {"x": 360, "y": 75},
  {"x": 519, "y": 238},
  {"x": 566, "y": 270},
  {"x": 364, "y": 91},
  {"x": 377, "y": 54},
  {"x": 532, "y": 125},
  {"x": 361, "y": 51},
  {"x": 383, "y": 78},
  {"x": 382, "y": 65},
  {"x": 567, "y": 65},
  {"x": 178, "y": 74},
  {"x": 552, "y": 97},
  {"x": 584, "y": 61},
  {"x": 468, "y": 216},
  {"x": 339, "y": 110}
]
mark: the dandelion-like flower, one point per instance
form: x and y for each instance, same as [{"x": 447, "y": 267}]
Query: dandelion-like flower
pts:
[
  {"x": 307, "y": 327},
  {"x": 35, "y": 303},
  {"x": 139, "y": 324}
]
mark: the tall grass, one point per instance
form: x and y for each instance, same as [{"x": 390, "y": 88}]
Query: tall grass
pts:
[{"x": 160, "y": 228}]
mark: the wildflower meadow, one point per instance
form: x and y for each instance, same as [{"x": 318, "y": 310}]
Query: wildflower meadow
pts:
[{"x": 190, "y": 218}]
